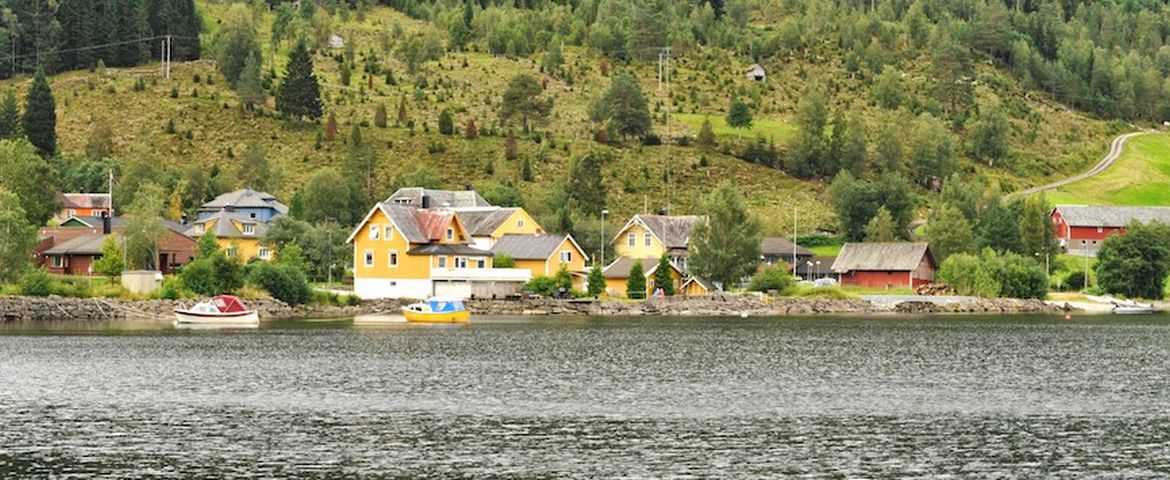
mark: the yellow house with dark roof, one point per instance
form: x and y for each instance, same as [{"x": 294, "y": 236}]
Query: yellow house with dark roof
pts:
[
  {"x": 617, "y": 274},
  {"x": 650, "y": 236}
]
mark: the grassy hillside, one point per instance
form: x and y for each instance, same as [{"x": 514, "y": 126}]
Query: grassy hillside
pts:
[
  {"x": 1048, "y": 141},
  {"x": 1139, "y": 177}
]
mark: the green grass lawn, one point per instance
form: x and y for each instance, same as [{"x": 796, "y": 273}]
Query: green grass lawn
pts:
[
  {"x": 826, "y": 250},
  {"x": 1139, "y": 177},
  {"x": 761, "y": 127}
]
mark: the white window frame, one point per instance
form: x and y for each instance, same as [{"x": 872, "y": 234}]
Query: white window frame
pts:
[
  {"x": 566, "y": 256},
  {"x": 392, "y": 258},
  {"x": 389, "y": 233},
  {"x": 480, "y": 262},
  {"x": 442, "y": 261},
  {"x": 450, "y": 234},
  {"x": 264, "y": 253},
  {"x": 633, "y": 239},
  {"x": 460, "y": 262},
  {"x": 249, "y": 229},
  {"x": 71, "y": 212},
  {"x": 374, "y": 229},
  {"x": 231, "y": 252},
  {"x": 199, "y": 229},
  {"x": 58, "y": 261},
  {"x": 646, "y": 242},
  {"x": 520, "y": 223},
  {"x": 369, "y": 257},
  {"x": 1100, "y": 229}
]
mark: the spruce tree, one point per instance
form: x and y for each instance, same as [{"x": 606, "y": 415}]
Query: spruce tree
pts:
[
  {"x": 623, "y": 108},
  {"x": 662, "y": 278},
  {"x": 249, "y": 86},
  {"x": 10, "y": 116},
  {"x": 299, "y": 95},
  {"x": 706, "y": 134},
  {"x": 595, "y": 282},
  {"x": 446, "y": 122},
  {"x": 636, "y": 284},
  {"x": 526, "y": 170},
  {"x": 739, "y": 116},
  {"x": 40, "y": 116}
]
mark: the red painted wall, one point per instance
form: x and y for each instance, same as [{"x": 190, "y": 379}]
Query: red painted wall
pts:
[
  {"x": 1063, "y": 230},
  {"x": 876, "y": 279}
]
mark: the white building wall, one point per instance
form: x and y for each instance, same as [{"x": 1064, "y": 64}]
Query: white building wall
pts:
[{"x": 374, "y": 288}]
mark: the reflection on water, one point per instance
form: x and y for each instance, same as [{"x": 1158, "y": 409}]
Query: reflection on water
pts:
[{"x": 589, "y": 397}]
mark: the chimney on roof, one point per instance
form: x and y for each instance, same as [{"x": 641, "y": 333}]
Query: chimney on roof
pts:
[
  {"x": 468, "y": 187},
  {"x": 105, "y": 223},
  {"x": 183, "y": 219},
  {"x": 426, "y": 201},
  {"x": 663, "y": 211}
]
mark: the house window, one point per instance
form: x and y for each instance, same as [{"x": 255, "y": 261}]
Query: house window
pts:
[
  {"x": 1100, "y": 229},
  {"x": 264, "y": 253},
  {"x": 519, "y": 223},
  {"x": 231, "y": 251},
  {"x": 442, "y": 262},
  {"x": 95, "y": 213},
  {"x": 369, "y": 258},
  {"x": 72, "y": 213},
  {"x": 58, "y": 261},
  {"x": 480, "y": 263},
  {"x": 374, "y": 229},
  {"x": 199, "y": 229},
  {"x": 389, "y": 232},
  {"x": 393, "y": 258},
  {"x": 566, "y": 256},
  {"x": 252, "y": 215},
  {"x": 633, "y": 239},
  {"x": 450, "y": 234},
  {"x": 460, "y": 262},
  {"x": 249, "y": 229},
  {"x": 646, "y": 240}
]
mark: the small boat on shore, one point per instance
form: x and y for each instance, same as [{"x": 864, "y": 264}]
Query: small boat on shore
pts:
[
  {"x": 437, "y": 310},
  {"x": 222, "y": 310},
  {"x": 1130, "y": 307}
]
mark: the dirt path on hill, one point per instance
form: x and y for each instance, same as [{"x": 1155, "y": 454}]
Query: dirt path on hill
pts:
[{"x": 1115, "y": 150}]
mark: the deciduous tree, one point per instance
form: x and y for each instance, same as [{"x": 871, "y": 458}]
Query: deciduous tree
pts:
[{"x": 725, "y": 244}]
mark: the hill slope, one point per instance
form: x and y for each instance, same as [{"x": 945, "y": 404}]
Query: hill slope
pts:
[{"x": 1048, "y": 141}]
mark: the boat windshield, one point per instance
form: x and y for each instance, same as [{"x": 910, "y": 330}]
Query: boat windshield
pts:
[{"x": 439, "y": 306}]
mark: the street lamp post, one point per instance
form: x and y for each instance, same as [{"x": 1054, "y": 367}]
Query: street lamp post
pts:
[
  {"x": 1047, "y": 271},
  {"x": 818, "y": 269},
  {"x": 603, "y": 214}
]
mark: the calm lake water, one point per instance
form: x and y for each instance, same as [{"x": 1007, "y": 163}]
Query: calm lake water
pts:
[{"x": 586, "y": 397}]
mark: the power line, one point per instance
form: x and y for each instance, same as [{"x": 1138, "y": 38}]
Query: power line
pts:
[{"x": 95, "y": 47}]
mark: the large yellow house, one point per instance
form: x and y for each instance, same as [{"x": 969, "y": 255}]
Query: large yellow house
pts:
[
  {"x": 618, "y": 273},
  {"x": 543, "y": 255},
  {"x": 237, "y": 234},
  {"x": 650, "y": 236},
  {"x": 487, "y": 225},
  {"x": 406, "y": 252}
]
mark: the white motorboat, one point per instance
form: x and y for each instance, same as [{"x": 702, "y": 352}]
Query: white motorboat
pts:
[
  {"x": 222, "y": 310},
  {"x": 1130, "y": 307}
]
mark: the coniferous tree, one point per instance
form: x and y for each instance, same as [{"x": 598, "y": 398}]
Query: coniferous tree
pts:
[
  {"x": 807, "y": 150},
  {"x": 446, "y": 122},
  {"x": 706, "y": 136},
  {"x": 10, "y": 118},
  {"x": 586, "y": 185},
  {"x": 623, "y": 108},
  {"x": 526, "y": 170},
  {"x": 380, "y": 116},
  {"x": 739, "y": 116},
  {"x": 235, "y": 41},
  {"x": 40, "y": 116},
  {"x": 249, "y": 85},
  {"x": 595, "y": 282},
  {"x": 299, "y": 95},
  {"x": 662, "y": 278},
  {"x": 522, "y": 101},
  {"x": 636, "y": 284}
]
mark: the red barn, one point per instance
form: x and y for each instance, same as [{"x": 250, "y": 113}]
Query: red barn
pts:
[
  {"x": 885, "y": 265},
  {"x": 1082, "y": 229}
]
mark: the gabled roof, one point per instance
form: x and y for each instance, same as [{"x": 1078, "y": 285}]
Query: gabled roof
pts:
[
  {"x": 85, "y": 200},
  {"x": 416, "y": 225},
  {"x": 620, "y": 268},
  {"x": 449, "y": 249},
  {"x": 777, "y": 246},
  {"x": 533, "y": 247},
  {"x": 225, "y": 228},
  {"x": 702, "y": 282},
  {"x": 1110, "y": 216},
  {"x": 880, "y": 257},
  {"x": 825, "y": 267},
  {"x": 481, "y": 223},
  {"x": 245, "y": 198},
  {"x": 674, "y": 231},
  {"x": 426, "y": 198},
  {"x": 90, "y": 244}
]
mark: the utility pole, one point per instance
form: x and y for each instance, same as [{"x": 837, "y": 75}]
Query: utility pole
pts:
[
  {"x": 168, "y": 56},
  {"x": 794, "y": 239}
]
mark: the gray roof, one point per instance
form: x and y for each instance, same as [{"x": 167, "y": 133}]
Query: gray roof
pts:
[
  {"x": 85, "y": 200},
  {"x": 483, "y": 222},
  {"x": 403, "y": 218},
  {"x": 1109, "y": 216},
  {"x": 427, "y": 198},
  {"x": 224, "y": 228},
  {"x": 83, "y": 245},
  {"x": 450, "y": 249},
  {"x": 824, "y": 267},
  {"x": 880, "y": 257},
  {"x": 529, "y": 247},
  {"x": 620, "y": 268},
  {"x": 701, "y": 281},
  {"x": 674, "y": 231},
  {"x": 245, "y": 198},
  {"x": 778, "y": 246}
]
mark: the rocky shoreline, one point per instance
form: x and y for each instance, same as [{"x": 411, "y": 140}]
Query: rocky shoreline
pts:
[{"x": 25, "y": 309}]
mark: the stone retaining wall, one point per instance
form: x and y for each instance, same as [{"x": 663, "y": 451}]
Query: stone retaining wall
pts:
[{"x": 15, "y": 308}]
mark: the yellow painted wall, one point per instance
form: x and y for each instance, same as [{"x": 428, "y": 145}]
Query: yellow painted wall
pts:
[
  {"x": 550, "y": 266},
  {"x": 617, "y": 286},
  {"x": 511, "y": 226},
  {"x": 639, "y": 250},
  {"x": 694, "y": 289},
  {"x": 409, "y": 266},
  {"x": 246, "y": 248}
]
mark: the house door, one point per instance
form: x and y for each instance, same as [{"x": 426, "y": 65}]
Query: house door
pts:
[{"x": 163, "y": 265}]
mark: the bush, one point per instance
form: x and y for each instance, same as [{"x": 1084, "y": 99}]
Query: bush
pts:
[
  {"x": 212, "y": 276},
  {"x": 1075, "y": 281},
  {"x": 36, "y": 282},
  {"x": 446, "y": 123},
  {"x": 284, "y": 282},
  {"x": 651, "y": 139},
  {"x": 775, "y": 278},
  {"x": 172, "y": 289},
  {"x": 503, "y": 261},
  {"x": 992, "y": 275}
]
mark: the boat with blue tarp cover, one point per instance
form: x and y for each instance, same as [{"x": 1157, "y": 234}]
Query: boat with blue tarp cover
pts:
[{"x": 437, "y": 310}]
